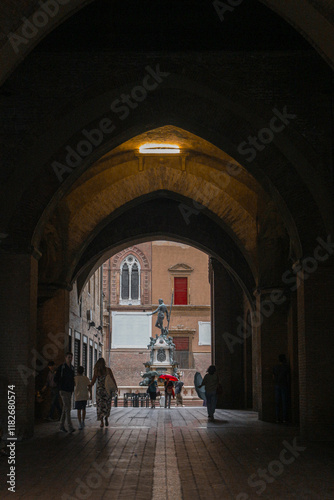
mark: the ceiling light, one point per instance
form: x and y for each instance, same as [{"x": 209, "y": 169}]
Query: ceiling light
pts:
[{"x": 159, "y": 149}]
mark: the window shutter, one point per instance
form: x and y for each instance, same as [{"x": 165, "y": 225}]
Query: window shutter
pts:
[
  {"x": 181, "y": 291},
  {"x": 135, "y": 282},
  {"x": 181, "y": 343},
  {"x": 84, "y": 357},
  {"x": 125, "y": 282}
]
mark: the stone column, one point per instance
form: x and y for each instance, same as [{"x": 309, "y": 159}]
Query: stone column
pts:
[
  {"x": 227, "y": 307},
  {"x": 18, "y": 305},
  {"x": 52, "y": 335},
  {"x": 53, "y": 325},
  {"x": 315, "y": 299},
  {"x": 271, "y": 339}
]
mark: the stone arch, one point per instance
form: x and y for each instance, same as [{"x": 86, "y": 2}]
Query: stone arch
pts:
[
  {"x": 279, "y": 161},
  {"x": 210, "y": 177},
  {"x": 135, "y": 250},
  {"x": 166, "y": 222}
]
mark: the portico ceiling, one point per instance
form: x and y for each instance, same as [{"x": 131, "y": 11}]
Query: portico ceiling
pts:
[
  {"x": 314, "y": 19},
  {"x": 64, "y": 219}
]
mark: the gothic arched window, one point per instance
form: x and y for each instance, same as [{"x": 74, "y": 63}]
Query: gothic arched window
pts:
[{"x": 130, "y": 281}]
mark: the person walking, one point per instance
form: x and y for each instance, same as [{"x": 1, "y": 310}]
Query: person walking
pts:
[
  {"x": 103, "y": 399},
  {"x": 64, "y": 378},
  {"x": 152, "y": 391},
  {"x": 50, "y": 382},
  {"x": 82, "y": 391},
  {"x": 281, "y": 376},
  {"x": 178, "y": 393},
  {"x": 211, "y": 382},
  {"x": 169, "y": 393}
]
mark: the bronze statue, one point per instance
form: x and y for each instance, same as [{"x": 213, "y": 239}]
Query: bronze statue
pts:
[{"x": 161, "y": 310}]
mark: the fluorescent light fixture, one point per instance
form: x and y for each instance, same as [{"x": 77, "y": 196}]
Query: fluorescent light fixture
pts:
[{"x": 159, "y": 149}]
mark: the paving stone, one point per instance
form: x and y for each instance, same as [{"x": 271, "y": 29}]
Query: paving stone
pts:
[{"x": 177, "y": 455}]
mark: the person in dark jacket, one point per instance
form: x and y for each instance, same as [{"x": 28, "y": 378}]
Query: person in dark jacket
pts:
[
  {"x": 65, "y": 379},
  {"x": 152, "y": 391},
  {"x": 169, "y": 393},
  {"x": 211, "y": 382}
]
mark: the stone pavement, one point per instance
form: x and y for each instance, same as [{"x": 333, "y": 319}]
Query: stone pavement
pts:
[{"x": 171, "y": 454}]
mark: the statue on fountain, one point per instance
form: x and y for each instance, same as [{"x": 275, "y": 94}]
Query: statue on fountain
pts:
[
  {"x": 161, "y": 310},
  {"x": 161, "y": 347}
]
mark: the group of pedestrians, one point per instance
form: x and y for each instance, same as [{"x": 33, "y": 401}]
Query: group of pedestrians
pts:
[
  {"x": 210, "y": 382},
  {"x": 170, "y": 392},
  {"x": 63, "y": 382}
]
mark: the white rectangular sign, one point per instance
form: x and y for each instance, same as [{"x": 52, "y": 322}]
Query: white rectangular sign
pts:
[
  {"x": 204, "y": 333},
  {"x": 131, "y": 329}
]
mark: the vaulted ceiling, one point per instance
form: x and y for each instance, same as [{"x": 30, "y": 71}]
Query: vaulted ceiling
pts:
[{"x": 212, "y": 90}]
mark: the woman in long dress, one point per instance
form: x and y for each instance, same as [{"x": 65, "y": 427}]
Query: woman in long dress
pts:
[{"x": 103, "y": 400}]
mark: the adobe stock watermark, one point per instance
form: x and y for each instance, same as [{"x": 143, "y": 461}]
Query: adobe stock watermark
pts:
[
  {"x": 122, "y": 107},
  {"x": 232, "y": 169},
  {"x": 275, "y": 468},
  {"x": 223, "y": 7},
  {"x": 93, "y": 480},
  {"x": 265, "y": 135},
  {"x": 40, "y": 360},
  {"x": 277, "y": 297},
  {"x": 30, "y": 27}
]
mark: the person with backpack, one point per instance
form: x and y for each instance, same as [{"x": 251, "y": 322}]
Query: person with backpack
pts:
[
  {"x": 64, "y": 378},
  {"x": 169, "y": 393}
]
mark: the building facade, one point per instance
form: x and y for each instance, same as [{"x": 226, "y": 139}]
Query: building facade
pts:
[
  {"x": 86, "y": 324},
  {"x": 133, "y": 281}
]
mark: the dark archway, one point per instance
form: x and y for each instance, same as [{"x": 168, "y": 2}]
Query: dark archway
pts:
[{"x": 164, "y": 215}]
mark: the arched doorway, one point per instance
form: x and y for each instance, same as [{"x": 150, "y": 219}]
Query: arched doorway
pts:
[{"x": 251, "y": 186}]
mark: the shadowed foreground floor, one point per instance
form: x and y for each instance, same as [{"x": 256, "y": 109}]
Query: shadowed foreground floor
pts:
[{"x": 171, "y": 454}]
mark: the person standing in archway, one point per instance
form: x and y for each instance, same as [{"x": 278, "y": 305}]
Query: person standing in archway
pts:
[{"x": 210, "y": 382}]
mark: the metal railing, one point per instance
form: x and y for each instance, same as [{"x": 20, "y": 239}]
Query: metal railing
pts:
[{"x": 141, "y": 399}]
